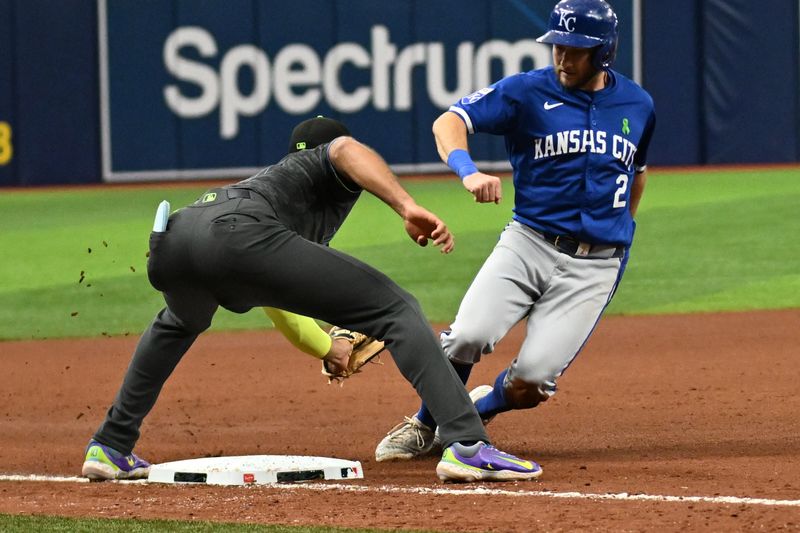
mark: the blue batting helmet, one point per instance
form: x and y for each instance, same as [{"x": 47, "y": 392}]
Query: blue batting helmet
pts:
[{"x": 584, "y": 24}]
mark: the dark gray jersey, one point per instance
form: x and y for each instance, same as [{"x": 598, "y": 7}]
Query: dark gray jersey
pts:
[{"x": 306, "y": 193}]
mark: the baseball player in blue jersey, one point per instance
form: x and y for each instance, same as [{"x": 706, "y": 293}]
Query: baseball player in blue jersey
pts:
[{"x": 577, "y": 135}]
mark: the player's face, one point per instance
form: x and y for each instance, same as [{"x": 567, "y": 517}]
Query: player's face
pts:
[{"x": 574, "y": 68}]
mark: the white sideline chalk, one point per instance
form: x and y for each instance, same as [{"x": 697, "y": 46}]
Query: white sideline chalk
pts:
[
  {"x": 475, "y": 491},
  {"x": 255, "y": 470}
]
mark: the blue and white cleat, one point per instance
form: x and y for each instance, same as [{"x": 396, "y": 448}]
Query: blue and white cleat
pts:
[
  {"x": 478, "y": 393},
  {"x": 103, "y": 463},
  {"x": 475, "y": 394},
  {"x": 482, "y": 462}
]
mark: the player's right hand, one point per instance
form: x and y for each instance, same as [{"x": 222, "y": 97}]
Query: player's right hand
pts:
[
  {"x": 422, "y": 225},
  {"x": 484, "y": 187}
]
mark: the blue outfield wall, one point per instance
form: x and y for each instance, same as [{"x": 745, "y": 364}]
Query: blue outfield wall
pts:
[
  {"x": 127, "y": 90},
  {"x": 724, "y": 76},
  {"x": 8, "y": 161},
  {"x": 750, "y": 77},
  {"x": 49, "y": 92}
]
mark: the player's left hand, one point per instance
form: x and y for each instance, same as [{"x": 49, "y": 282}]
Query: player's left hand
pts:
[
  {"x": 338, "y": 356},
  {"x": 362, "y": 350},
  {"x": 422, "y": 225}
]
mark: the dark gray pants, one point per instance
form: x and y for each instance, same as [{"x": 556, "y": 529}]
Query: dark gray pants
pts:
[{"x": 235, "y": 253}]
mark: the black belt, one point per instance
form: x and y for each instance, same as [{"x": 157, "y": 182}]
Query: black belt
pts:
[
  {"x": 574, "y": 247},
  {"x": 237, "y": 193},
  {"x": 214, "y": 196}
]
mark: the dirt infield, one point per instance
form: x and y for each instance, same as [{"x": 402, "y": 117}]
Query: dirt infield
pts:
[{"x": 683, "y": 406}]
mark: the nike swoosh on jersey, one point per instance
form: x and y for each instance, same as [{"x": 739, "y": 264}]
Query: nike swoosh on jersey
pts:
[{"x": 548, "y": 106}]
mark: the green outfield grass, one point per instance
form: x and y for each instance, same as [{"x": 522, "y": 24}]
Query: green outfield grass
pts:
[
  {"x": 74, "y": 261},
  {"x": 25, "y": 524}
]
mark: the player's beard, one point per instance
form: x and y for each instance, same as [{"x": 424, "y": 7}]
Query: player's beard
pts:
[{"x": 573, "y": 82}]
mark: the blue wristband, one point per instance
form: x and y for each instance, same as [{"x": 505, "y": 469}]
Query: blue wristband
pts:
[{"x": 461, "y": 163}]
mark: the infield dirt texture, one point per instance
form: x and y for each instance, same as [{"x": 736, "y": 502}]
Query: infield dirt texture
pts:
[
  {"x": 681, "y": 406},
  {"x": 666, "y": 422}
]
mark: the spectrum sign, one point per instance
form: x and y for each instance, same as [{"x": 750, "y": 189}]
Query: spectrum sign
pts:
[{"x": 212, "y": 89}]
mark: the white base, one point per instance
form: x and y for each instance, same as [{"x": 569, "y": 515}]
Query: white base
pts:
[{"x": 255, "y": 469}]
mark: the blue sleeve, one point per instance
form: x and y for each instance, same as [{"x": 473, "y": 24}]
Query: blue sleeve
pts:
[
  {"x": 640, "y": 159},
  {"x": 493, "y": 109}
]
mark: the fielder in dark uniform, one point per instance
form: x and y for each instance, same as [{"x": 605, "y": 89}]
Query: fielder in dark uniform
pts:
[{"x": 263, "y": 242}]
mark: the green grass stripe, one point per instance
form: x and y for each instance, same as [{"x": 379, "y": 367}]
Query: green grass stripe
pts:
[
  {"x": 722, "y": 240},
  {"x": 25, "y": 524}
]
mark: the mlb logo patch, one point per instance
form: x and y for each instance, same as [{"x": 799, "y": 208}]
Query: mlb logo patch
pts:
[{"x": 477, "y": 95}]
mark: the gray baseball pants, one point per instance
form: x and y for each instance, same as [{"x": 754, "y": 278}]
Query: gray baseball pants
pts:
[{"x": 562, "y": 297}]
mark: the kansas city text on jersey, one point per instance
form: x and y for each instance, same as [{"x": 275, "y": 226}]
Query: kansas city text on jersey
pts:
[{"x": 582, "y": 141}]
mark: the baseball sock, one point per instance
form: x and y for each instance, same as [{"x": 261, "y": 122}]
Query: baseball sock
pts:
[
  {"x": 494, "y": 402},
  {"x": 423, "y": 415}
]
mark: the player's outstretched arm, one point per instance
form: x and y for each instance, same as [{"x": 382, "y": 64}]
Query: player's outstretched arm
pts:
[
  {"x": 450, "y": 133},
  {"x": 368, "y": 169},
  {"x": 303, "y": 332}
]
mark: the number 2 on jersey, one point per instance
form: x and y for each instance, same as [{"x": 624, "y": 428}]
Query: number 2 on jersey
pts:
[
  {"x": 6, "y": 151},
  {"x": 622, "y": 181}
]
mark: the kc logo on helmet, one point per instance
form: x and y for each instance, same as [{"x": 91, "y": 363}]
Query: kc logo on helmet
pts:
[{"x": 568, "y": 23}]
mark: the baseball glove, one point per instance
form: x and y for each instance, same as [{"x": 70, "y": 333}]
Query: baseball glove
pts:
[{"x": 364, "y": 350}]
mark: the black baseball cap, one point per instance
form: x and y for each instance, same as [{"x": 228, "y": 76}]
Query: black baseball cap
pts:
[{"x": 315, "y": 131}]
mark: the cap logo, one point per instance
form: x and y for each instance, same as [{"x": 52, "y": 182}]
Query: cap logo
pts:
[
  {"x": 566, "y": 22},
  {"x": 301, "y": 145}
]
